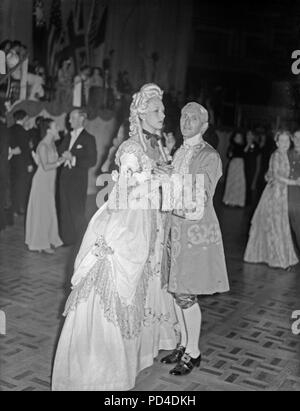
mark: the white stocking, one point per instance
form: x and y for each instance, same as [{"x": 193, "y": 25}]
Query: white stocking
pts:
[
  {"x": 182, "y": 325},
  {"x": 193, "y": 318}
]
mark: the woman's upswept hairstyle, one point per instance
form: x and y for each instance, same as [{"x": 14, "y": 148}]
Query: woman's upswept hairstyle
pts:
[
  {"x": 280, "y": 132},
  {"x": 139, "y": 106}
]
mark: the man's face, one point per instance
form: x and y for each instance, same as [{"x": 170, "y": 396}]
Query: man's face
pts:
[
  {"x": 296, "y": 140},
  {"x": 153, "y": 119},
  {"x": 86, "y": 73},
  {"x": 75, "y": 120},
  {"x": 190, "y": 123}
]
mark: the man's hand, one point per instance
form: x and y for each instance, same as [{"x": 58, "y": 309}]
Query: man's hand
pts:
[
  {"x": 30, "y": 169},
  {"x": 67, "y": 155},
  {"x": 13, "y": 152}
]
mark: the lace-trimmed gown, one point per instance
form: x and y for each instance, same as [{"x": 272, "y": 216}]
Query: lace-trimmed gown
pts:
[
  {"x": 41, "y": 220},
  {"x": 117, "y": 315},
  {"x": 270, "y": 239}
]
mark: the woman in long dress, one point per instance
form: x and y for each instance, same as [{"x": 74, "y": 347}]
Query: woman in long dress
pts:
[
  {"x": 270, "y": 239},
  {"x": 118, "y": 316},
  {"x": 235, "y": 189},
  {"x": 41, "y": 222}
]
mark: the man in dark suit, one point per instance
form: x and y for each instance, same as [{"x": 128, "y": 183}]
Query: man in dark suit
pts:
[
  {"x": 294, "y": 191},
  {"x": 4, "y": 169},
  {"x": 80, "y": 152},
  {"x": 21, "y": 163}
]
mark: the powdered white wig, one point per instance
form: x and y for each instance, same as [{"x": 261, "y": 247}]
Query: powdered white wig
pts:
[
  {"x": 198, "y": 109},
  {"x": 139, "y": 106}
]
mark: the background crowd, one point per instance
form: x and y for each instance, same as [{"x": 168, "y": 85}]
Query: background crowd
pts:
[{"x": 30, "y": 152}]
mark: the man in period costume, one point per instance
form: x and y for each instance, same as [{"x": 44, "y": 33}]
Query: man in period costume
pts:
[
  {"x": 294, "y": 191},
  {"x": 197, "y": 261}
]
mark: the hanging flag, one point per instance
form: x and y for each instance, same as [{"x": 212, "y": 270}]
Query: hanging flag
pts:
[
  {"x": 76, "y": 35},
  {"x": 56, "y": 37},
  {"x": 101, "y": 32},
  {"x": 39, "y": 32},
  {"x": 96, "y": 30}
]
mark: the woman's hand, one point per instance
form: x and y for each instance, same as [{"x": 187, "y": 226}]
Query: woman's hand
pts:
[{"x": 60, "y": 161}]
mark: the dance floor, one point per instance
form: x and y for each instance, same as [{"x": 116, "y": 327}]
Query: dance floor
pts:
[{"x": 246, "y": 341}]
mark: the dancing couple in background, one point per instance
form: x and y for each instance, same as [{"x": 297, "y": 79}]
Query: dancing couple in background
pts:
[
  {"x": 270, "y": 239},
  {"x": 121, "y": 310}
]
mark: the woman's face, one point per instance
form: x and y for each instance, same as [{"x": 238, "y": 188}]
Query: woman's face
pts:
[
  {"x": 154, "y": 117},
  {"x": 283, "y": 142},
  {"x": 54, "y": 131},
  {"x": 296, "y": 140},
  {"x": 238, "y": 138}
]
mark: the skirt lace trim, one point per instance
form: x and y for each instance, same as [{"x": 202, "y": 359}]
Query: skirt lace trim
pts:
[{"x": 128, "y": 318}]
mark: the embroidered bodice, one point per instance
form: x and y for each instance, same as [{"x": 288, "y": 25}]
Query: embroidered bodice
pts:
[
  {"x": 131, "y": 155},
  {"x": 279, "y": 165}
]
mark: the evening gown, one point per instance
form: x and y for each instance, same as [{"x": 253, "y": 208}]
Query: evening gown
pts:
[
  {"x": 41, "y": 221},
  {"x": 270, "y": 239},
  {"x": 235, "y": 189},
  {"x": 118, "y": 316}
]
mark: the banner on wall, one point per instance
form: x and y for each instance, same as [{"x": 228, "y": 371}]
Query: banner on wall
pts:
[
  {"x": 96, "y": 32},
  {"x": 56, "y": 38}
]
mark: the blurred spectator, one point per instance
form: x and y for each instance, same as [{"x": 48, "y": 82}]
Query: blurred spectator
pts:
[
  {"x": 235, "y": 189},
  {"x": 21, "y": 163},
  {"x": 96, "y": 79},
  {"x": 267, "y": 146},
  {"x": 251, "y": 152},
  {"x": 170, "y": 139},
  {"x": 124, "y": 86},
  {"x": 2, "y": 63},
  {"x": 6, "y": 46},
  {"x": 96, "y": 94},
  {"x": 12, "y": 61},
  {"x": 82, "y": 87},
  {"x": 4, "y": 171},
  {"x": 64, "y": 84}
]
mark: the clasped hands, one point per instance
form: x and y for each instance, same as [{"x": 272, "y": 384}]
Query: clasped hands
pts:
[
  {"x": 163, "y": 172},
  {"x": 67, "y": 158}
]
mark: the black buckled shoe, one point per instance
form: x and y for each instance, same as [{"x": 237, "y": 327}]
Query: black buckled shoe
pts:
[
  {"x": 175, "y": 356},
  {"x": 186, "y": 365}
]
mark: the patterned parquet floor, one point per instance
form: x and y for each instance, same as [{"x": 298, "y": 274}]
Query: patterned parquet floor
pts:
[{"x": 246, "y": 339}]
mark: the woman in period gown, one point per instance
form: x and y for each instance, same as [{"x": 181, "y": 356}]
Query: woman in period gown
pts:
[
  {"x": 235, "y": 189},
  {"x": 118, "y": 316},
  {"x": 41, "y": 222},
  {"x": 270, "y": 239}
]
